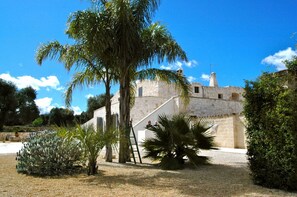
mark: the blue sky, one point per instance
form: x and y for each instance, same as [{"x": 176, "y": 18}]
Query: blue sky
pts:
[{"x": 237, "y": 39}]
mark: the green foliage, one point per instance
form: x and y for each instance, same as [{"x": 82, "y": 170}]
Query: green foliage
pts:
[
  {"x": 176, "y": 138},
  {"x": 292, "y": 64},
  {"x": 61, "y": 117},
  {"x": 27, "y": 110},
  {"x": 95, "y": 102},
  {"x": 17, "y": 107},
  {"x": 46, "y": 154},
  {"x": 81, "y": 118},
  {"x": 8, "y": 101},
  {"x": 90, "y": 141},
  {"x": 37, "y": 122},
  {"x": 270, "y": 110}
]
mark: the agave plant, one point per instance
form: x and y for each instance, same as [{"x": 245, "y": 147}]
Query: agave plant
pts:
[
  {"x": 176, "y": 140},
  {"x": 47, "y": 154}
]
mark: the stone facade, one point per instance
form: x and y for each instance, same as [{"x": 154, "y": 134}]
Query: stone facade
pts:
[
  {"x": 154, "y": 98},
  {"x": 228, "y": 130}
]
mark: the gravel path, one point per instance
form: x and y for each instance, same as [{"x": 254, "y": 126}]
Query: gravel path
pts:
[{"x": 232, "y": 157}]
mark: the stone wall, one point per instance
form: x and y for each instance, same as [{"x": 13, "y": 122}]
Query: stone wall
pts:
[
  {"x": 230, "y": 132},
  {"x": 148, "y": 88},
  {"x": 145, "y": 105},
  {"x": 164, "y": 90},
  {"x": 202, "y": 107},
  {"x": 228, "y": 93}
]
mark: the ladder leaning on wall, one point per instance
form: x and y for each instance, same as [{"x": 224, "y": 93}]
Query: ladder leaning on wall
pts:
[{"x": 134, "y": 145}]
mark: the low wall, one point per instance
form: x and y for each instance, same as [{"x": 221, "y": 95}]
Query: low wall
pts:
[
  {"x": 230, "y": 132},
  {"x": 11, "y": 136}
]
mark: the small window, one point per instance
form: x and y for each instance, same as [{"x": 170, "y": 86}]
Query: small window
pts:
[
  {"x": 220, "y": 96},
  {"x": 235, "y": 96},
  {"x": 140, "y": 92},
  {"x": 196, "y": 89}
]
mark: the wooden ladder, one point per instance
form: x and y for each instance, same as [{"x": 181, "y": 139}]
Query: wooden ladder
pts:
[{"x": 134, "y": 145}]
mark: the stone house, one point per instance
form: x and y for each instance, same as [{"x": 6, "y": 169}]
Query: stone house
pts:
[{"x": 220, "y": 106}]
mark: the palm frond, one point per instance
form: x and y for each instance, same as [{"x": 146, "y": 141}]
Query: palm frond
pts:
[
  {"x": 144, "y": 9},
  {"x": 174, "y": 139},
  {"x": 160, "y": 45},
  {"x": 50, "y": 50},
  {"x": 80, "y": 79}
]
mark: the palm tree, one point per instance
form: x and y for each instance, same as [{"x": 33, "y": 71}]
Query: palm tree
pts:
[
  {"x": 135, "y": 43},
  {"x": 176, "y": 138},
  {"x": 118, "y": 36},
  {"x": 93, "y": 73}
]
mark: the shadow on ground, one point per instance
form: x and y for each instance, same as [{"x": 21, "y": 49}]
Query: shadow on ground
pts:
[{"x": 206, "y": 180}]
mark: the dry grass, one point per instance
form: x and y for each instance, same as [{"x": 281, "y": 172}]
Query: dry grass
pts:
[{"x": 130, "y": 180}]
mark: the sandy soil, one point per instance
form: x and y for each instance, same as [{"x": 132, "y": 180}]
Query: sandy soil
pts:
[{"x": 227, "y": 176}]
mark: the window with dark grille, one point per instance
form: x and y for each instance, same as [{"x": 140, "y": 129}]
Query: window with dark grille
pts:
[
  {"x": 196, "y": 89},
  {"x": 220, "y": 96}
]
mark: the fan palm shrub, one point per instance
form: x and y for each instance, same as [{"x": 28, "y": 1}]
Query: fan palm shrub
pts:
[
  {"x": 89, "y": 140},
  {"x": 176, "y": 139}
]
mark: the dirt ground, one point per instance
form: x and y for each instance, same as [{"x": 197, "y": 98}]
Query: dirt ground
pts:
[{"x": 228, "y": 179}]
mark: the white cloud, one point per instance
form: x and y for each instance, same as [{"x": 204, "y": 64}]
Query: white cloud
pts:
[
  {"x": 89, "y": 95},
  {"x": 76, "y": 110},
  {"x": 278, "y": 58},
  {"x": 205, "y": 77},
  {"x": 44, "y": 104},
  {"x": 178, "y": 65},
  {"x": 50, "y": 82},
  {"x": 191, "y": 63},
  {"x": 191, "y": 78}
]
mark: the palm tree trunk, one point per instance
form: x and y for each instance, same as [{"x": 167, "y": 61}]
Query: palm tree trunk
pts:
[
  {"x": 108, "y": 155},
  {"x": 124, "y": 118},
  {"x": 92, "y": 166}
]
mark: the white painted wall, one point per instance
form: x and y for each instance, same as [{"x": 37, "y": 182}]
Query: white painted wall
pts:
[{"x": 167, "y": 108}]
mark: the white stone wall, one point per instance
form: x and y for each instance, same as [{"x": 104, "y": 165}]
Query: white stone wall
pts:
[
  {"x": 200, "y": 93},
  {"x": 167, "y": 90},
  {"x": 143, "y": 106},
  {"x": 230, "y": 131},
  {"x": 156, "y": 89},
  {"x": 168, "y": 108},
  {"x": 149, "y": 88},
  {"x": 213, "y": 92},
  {"x": 202, "y": 107},
  {"x": 164, "y": 90}
]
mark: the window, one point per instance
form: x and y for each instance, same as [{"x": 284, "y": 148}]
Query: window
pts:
[
  {"x": 196, "y": 89},
  {"x": 220, "y": 96},
  {"x": 140, "y": 92},
  {"x": 235, "y": 96}
]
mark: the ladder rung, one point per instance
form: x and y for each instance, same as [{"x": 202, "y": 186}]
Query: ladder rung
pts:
[{"x": 134, "y": 145}]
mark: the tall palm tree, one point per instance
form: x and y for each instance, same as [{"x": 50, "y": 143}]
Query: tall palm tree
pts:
[
  {"x": 135, "y": 43},
  {"x": 118, "y": 35}
]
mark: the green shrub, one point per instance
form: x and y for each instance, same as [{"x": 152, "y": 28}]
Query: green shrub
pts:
[
  {"x": 46, "y": 154},
  {"x": 90, "y": 141},
  {"x": 37, "y": 122},
  {"x": 270, "y": 110},
  {"x": 176, "y": 139}
]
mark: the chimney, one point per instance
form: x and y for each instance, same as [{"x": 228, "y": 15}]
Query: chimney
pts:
[
  {"x": 213, "y": 80},
  {"x": 180, "y": 72}
]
